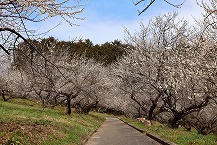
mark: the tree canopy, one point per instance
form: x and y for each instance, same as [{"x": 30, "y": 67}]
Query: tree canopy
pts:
[{"x": 107, "y": 53}]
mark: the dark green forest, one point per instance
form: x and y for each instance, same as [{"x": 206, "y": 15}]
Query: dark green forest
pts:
[{"x": 107, "y": 53}]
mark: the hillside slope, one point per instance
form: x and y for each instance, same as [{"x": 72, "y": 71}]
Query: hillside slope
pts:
[{"x": 30, "y": 124}]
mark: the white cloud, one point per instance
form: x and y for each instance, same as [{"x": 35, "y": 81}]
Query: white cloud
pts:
[{"x": 100, "y": 30}]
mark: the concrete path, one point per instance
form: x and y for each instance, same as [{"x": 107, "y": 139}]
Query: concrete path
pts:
[{"x": 116, "y": 132}]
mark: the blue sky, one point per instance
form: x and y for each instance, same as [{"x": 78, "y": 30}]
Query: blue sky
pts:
[{"x": 105, "y": 20}]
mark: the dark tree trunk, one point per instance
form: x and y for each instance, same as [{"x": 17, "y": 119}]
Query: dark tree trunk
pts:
[
  {"x": 138, "y": 103},
  {"x": 204, "y": 130},
  {"x": 68, "y": 110},
  {"x": 139, "y": 112},
  {"x": 152, "y": 113},
  {"x": 151, "y": 110},
  {"x": 158, "y": 111},
  {"x": 177, "y": 117},
  {"x": 55, "y": 100},
  {"x": 41, "y": 97},
  {"x": 3, "y": 95}
]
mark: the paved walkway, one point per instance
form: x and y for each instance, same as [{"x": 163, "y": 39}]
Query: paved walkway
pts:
[{"x": 116, "y": 132}]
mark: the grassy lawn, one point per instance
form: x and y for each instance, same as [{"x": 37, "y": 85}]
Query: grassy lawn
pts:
[
  {"x": 179, "y": 136},
  {"x": 29, "y": 124}
]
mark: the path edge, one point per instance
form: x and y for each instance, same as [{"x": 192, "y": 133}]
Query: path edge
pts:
[
  {"x": 83, "y": 142},
  {"x": 152, "y": 136}
]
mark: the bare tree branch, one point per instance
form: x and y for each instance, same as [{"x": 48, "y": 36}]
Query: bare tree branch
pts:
[{"x": 151, "y": 3}]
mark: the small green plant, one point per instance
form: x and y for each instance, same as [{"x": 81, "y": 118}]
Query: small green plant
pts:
[
  {"x": 13, "y": 141},
  {"x": 42, "y": 122}
]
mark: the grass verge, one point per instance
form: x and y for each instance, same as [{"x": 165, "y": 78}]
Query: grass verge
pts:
[
  {"x": 29, "y": 124},
  {"x": 179, "y": 136}
]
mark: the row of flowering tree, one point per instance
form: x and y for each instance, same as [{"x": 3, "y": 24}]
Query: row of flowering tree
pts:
[
  {"x": 171, "y": 73},
  {"x": 61, "y": 79}
]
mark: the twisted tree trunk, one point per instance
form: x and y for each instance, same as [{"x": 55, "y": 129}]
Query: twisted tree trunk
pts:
[{"x": 3, "y": 95}]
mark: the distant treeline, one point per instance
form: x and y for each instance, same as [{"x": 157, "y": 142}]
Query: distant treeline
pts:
[{"x": 107, "y": 53}]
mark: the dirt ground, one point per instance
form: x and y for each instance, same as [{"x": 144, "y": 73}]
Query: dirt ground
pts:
[{"x": 27, "y": 132}]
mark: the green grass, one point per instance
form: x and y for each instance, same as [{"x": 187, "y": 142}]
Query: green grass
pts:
[
  {"x": 29, "y": 124},
  {"x": 179, "y": 136},
  {"x": 24, "y": 122}
]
